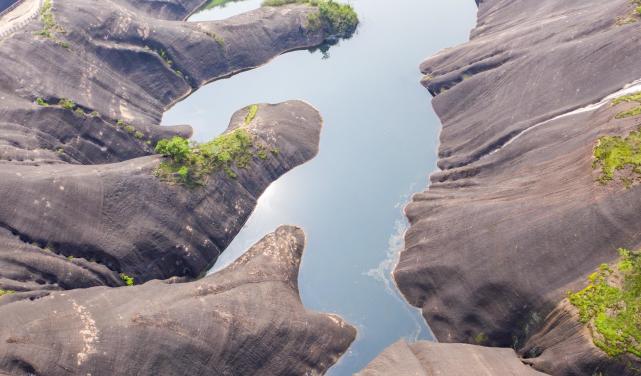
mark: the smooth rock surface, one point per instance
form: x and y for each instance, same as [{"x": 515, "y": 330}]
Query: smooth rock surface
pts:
[
  {"x": 246, "y": 319},
  {"x": 446, "y": 359},
  {"x": 79, "y": 183},
  {"x": 81, "y": 205},
  {"x": 515, "y": 218}
]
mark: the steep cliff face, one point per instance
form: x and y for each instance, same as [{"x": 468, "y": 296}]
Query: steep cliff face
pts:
[
  {"x": 219, "y": 325},
  {"x": 516, "y": 217},
  {"x": 83, "y": 89}
]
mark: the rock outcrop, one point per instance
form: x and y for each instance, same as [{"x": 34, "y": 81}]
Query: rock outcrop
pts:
[
  {"x": 446, "y": 359},
  {"x": 83, "y": 90},
  {"x": 246, "y": 319},
  {"x": 515, "y": 217}
]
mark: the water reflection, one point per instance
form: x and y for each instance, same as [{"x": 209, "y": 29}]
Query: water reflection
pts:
[{"x": 377, "y": 147}]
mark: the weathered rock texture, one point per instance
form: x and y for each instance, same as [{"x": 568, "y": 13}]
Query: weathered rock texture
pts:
[
  {"x": 80, "y": 183},
  {"x": 246, "y": 319},
  {"x": 446, "y": 359},
  {"x": 515, "y": 217},
  {"x": 81, "y": 205}
]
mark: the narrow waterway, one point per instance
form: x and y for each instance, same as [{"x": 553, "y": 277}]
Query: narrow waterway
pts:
[{"x": 377, "y": 148}]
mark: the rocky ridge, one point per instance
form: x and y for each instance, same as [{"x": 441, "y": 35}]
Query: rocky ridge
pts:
[
  {"x": 84, "y": 88},
  {"x": 516, "y": 216}
]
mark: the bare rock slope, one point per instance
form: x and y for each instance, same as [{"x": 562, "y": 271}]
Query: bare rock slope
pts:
[
  {"x": 447, "y": 359},
  {"x": 83, "y": 89},
  {"x": 515, "y": 217},
  {"x": 219, "y": 325}
]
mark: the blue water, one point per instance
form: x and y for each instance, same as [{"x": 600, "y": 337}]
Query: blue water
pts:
[{"x": 378, "y": 147}]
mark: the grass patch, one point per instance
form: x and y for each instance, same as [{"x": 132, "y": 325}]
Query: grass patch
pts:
[
  {"x": 165, "y": 57},
  {"x": 611, "y": 305},
  {"x": 50, "y": 28},
  {"x": 337, "y": 20},
  {"x": 67, "y": 104},
  {"x": 129, "y": 281},
  {"x": 6, "y": 292},
  {"x": 632, "y": 16},
  {"x": 251, "y": 113},
  {"x": 630, "y": 98},
  {"x": 614, "y": 153}
]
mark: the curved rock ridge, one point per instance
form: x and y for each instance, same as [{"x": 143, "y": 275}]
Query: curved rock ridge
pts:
[
  {"x": 121, "y": 69},
  {"x": 515, "y": 217},
  {"x": 66, "y": 226},
  {"x": 84, "y": 88},
  {"x": 452, "y": 359},
  {"x": 247, "y": 319}
]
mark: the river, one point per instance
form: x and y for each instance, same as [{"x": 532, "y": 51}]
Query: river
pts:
[{"x": 378, "y": 146}]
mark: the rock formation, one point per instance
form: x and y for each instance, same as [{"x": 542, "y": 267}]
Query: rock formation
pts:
[
  {"x": 222, "y": 324},
  {"x": 516, "y": 217},
  {"x": 84, "y": 86},
  {"x": 447, "y": 359}
]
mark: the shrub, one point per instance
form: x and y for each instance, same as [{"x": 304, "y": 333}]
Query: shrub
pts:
[
  {"x": 338, "y": 20},
  {"x": 67, "y": 104},
  {"x": 129, "y": 281},
  {"x": 41, "y": 102},
  {"x": 251, "y": 113},
  {"x": 613, "y": 153},
  {"x": 79, "y": 112},
  {"x": 6, "y": 292},
  {"x": 176, "y": 148},
  {"x": 49, "y": 25},
  {"x": 190, "y": 164},
  {"x": 611, "y": 305}
]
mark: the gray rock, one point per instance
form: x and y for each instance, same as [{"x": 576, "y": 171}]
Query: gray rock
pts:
[
  {"x": 246, "y": 319},
  {"x": 119, "y": 217},
  {"x": 80, "y": 202},
  {"x": 79, "y": 183},
  {"x": 515, "y": 217},
  {"x": 446, "y": 359}
]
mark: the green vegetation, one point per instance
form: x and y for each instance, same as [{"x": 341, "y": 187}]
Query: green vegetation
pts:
[
  {"x": 163, "y": 55},
  {"x": 220, "y": 40},
  {"x": 67, "y": 104},
  {"x": 79, "y": 112},
  {"x": 335, "y": 19},
  {"x": 481, "y": 338},
  {"x": 251, "y": 113},
  {"x": 632, "y": 16},
  {"x": 50, "y": 27},
  {"x": 190, "y": 164},
  {"x": 615, "y": 153},
  {"x": 217, "y": 3},
  {"x": 611, "y": 305},
  {"x": 41, "y": 102},
  {"x": 6, "y": 292},
  {"x": 129, "y": 281},
  {"x": 630, "y": 98}
]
